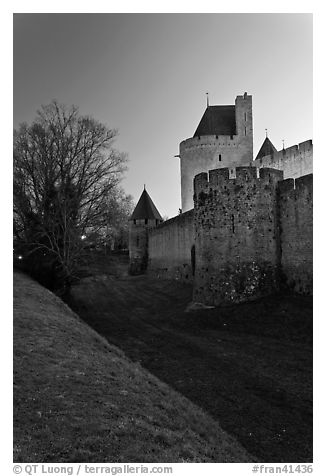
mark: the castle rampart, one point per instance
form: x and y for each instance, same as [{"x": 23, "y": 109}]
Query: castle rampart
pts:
[
  {"x": 170, "y": 248},
  {"x": 249, "y": 235},
  {"x": 250, "y": 231},
  {"x": 295, "y": 161},
  {"x": 296, "y": 222},
  {"x": 236, "y": 235}
]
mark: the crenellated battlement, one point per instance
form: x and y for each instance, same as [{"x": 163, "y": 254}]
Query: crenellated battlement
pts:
[
  {"x": 295, "y": 161},
  {"x": 224, "y": 176},
  {"x": 306, "y": 146},
  {"x": 304, "y": 181},
  {"x": 300, "y": 183},
  {"x": 296, "y": 150},
  {"x": 302, "y": 147}
]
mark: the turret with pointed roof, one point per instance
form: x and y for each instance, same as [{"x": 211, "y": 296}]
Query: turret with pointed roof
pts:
[
  {"x": 266, "y": 149},
  {"x": 144, "y": 217},
  {"x": 145, "y": 209}
]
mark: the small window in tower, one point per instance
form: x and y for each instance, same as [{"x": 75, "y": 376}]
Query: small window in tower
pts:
[
  {"x": 232, "y": 220},
  {"x": 245, "y": 131},
  {"x": 219, "y": 157},
  {"x": 146, "y": 221},
  {"x": 137, "y": 241},
  {"x": 245, "y": 116},
  {"x": 134, "y": 222}
]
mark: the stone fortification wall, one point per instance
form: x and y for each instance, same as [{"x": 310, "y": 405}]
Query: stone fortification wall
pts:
[
  {"x": 249, "y": 235},
  {"x": 236, "y": 234},
  {"x": 170, "y": 248},
  {"x": 296, "y": 218},
  {"x": 295, "y": 161}
]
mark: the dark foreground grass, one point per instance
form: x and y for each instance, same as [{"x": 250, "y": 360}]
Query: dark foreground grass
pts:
[
  {"x": 249, "y": 366},
  {"x": 79, "y": 399}
]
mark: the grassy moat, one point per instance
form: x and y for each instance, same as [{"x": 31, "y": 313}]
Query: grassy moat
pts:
[
  {"x": 248, "y": 365},
  {"x": 226, "y": 384}
]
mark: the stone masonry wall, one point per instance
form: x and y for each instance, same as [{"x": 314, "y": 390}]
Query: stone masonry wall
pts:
[
  {"x": 170, "y": 248},
  {"x": 296, "y": 219},
  {"x": 138, "y": 245},
  {"x": 236, "y": 235},
  {"x": 295, "y": 161},
  {"x": 249, "y": 234}
]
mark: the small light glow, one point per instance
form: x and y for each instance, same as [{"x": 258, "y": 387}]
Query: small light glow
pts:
[
  {"x": 83, "y": 237},
  {"x": 20, "y": 257}
]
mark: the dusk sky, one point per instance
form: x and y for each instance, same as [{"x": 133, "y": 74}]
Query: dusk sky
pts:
[{"x": 147, "y": 75}]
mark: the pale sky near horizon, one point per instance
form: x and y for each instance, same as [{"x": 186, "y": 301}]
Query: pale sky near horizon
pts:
[{"x": 147, "y": 75}]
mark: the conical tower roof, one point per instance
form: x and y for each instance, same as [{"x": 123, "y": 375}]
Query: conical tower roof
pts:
[
  {"x": 266, "y": 149},
  {"x": 145, "y": 209}
]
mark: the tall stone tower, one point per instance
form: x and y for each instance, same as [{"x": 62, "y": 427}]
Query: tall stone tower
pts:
[
  {"x": 237, "y": 234},
  {"x": 223, "y": 138},
  {"x": 144, "y": 217}
]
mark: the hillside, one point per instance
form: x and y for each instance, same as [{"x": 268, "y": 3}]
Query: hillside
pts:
[{"x": 77, "y": 398}]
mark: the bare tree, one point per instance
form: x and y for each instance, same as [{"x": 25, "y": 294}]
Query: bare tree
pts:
[
  {"x": 65, "y": 168},
  {"x": 118, "y": 211},
  {"x": 114, "y": 235}
]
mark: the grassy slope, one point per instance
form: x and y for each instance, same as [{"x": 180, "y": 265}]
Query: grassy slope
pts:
[
  {"x": 77, "y": 398},
  {"x": 249, "y": 366}
]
